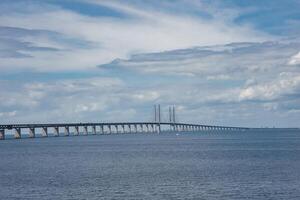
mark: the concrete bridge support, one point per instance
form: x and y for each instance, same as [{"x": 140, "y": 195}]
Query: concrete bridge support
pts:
[
  {"x": 109, "y": 129},
  {"x": 142, "y": 128},
  {"x": 158, "y": 128},
  {"x": 152, "y": 128},
  {"x": 32, "y": 132},
  {"x": 172, "y": 127},
  {"x": 44, "y": 132},
  {"x": 123, "y": 128},
  {"x": 56, "y": 131},
  {"x": 17, "y": 133},
  {"x": 101, "y": 129},
  {"x": 67, "y": 131},
  {"x": 179, "y": 128},
  {"x": 94, "y": 132},
  {"x": 135, "y": 128},
  {"x": 2, "y": 134},
  {"x": 85, "y": 130},
  {"x": 116, "y": 129},
  {"x": 129, "y": 128},
  {"x": 76, "y": 130}
]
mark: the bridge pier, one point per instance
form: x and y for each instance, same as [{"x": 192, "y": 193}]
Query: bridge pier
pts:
[
  {"x": 141, "y": 128},
  {"x": 94, "y": 132},
  {"x": 32, "y": 132},
  {"x": 129, "y": 128},
  {"x": 56, "y": 131},
  {"x": 2, "y": 134},
  {"x": 123, "y": 128},
  {"x": 109, "y": 129},
  {"x": 17, "y": 133},
  {"x": 101, "y": 129},
  {"x": 44, "y": 132},
  {"x": 76, "y": 130},
  {"x": 173, "y": 127},
  {"x": 85, "y": 130},
  {"x": 152, "y": 128},
  {"x": 158, "y": 128},
  {"x": 67, "y": 131}
]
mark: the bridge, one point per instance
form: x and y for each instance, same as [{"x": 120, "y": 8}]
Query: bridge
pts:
[{"x": 113, "y": 128}]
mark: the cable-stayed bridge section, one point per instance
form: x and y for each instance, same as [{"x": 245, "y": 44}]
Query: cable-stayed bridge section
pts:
[{"x": 65, "y": 129}]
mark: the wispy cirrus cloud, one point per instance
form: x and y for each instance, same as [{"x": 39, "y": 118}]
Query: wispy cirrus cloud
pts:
[{"x": 144, "y": 30}]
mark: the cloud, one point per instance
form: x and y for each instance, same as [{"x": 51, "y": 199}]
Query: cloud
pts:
[
  {"x": 285, "y": 84},
  {"x": 196, "y": 55},
  {"x": 231, "y": 61},
  {"x": 10, "y": 48},
  {"x": 295, "y": 60},
  {"x": 66, "y": 99},
  {"x": 97, "y": 40}
]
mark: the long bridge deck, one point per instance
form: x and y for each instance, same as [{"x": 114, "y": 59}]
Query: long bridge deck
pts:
[{"x": 108, "y": 128}]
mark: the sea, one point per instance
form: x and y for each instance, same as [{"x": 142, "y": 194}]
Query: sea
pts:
[{"x": 254, "y": 164}]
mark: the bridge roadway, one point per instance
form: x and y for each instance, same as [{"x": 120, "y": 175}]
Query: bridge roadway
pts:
[{"x": 108, "y": 128}]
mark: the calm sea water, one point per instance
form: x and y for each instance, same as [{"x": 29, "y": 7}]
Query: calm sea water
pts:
[{"x": 237, "y": 165}]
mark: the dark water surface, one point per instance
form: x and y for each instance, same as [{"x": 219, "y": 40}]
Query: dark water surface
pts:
[{"x": 237, "y": 165}]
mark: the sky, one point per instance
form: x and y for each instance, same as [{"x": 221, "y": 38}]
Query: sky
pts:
[{"x": 222, "y": 62}]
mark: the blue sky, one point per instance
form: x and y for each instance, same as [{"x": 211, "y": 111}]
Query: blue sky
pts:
[{"x": 223, "y": 62}]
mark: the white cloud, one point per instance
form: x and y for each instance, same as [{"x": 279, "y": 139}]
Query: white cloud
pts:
[
  {"x": 238, "y": 61},
  {"x": 145, "y": 30},
  {"x": 285, "y": 84},
  {"x": 243, "y": 82},
  {"x": 295, "y": 60},
  {"x": 8, "y": 114},
  {"x": 146, "y": 96}
]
